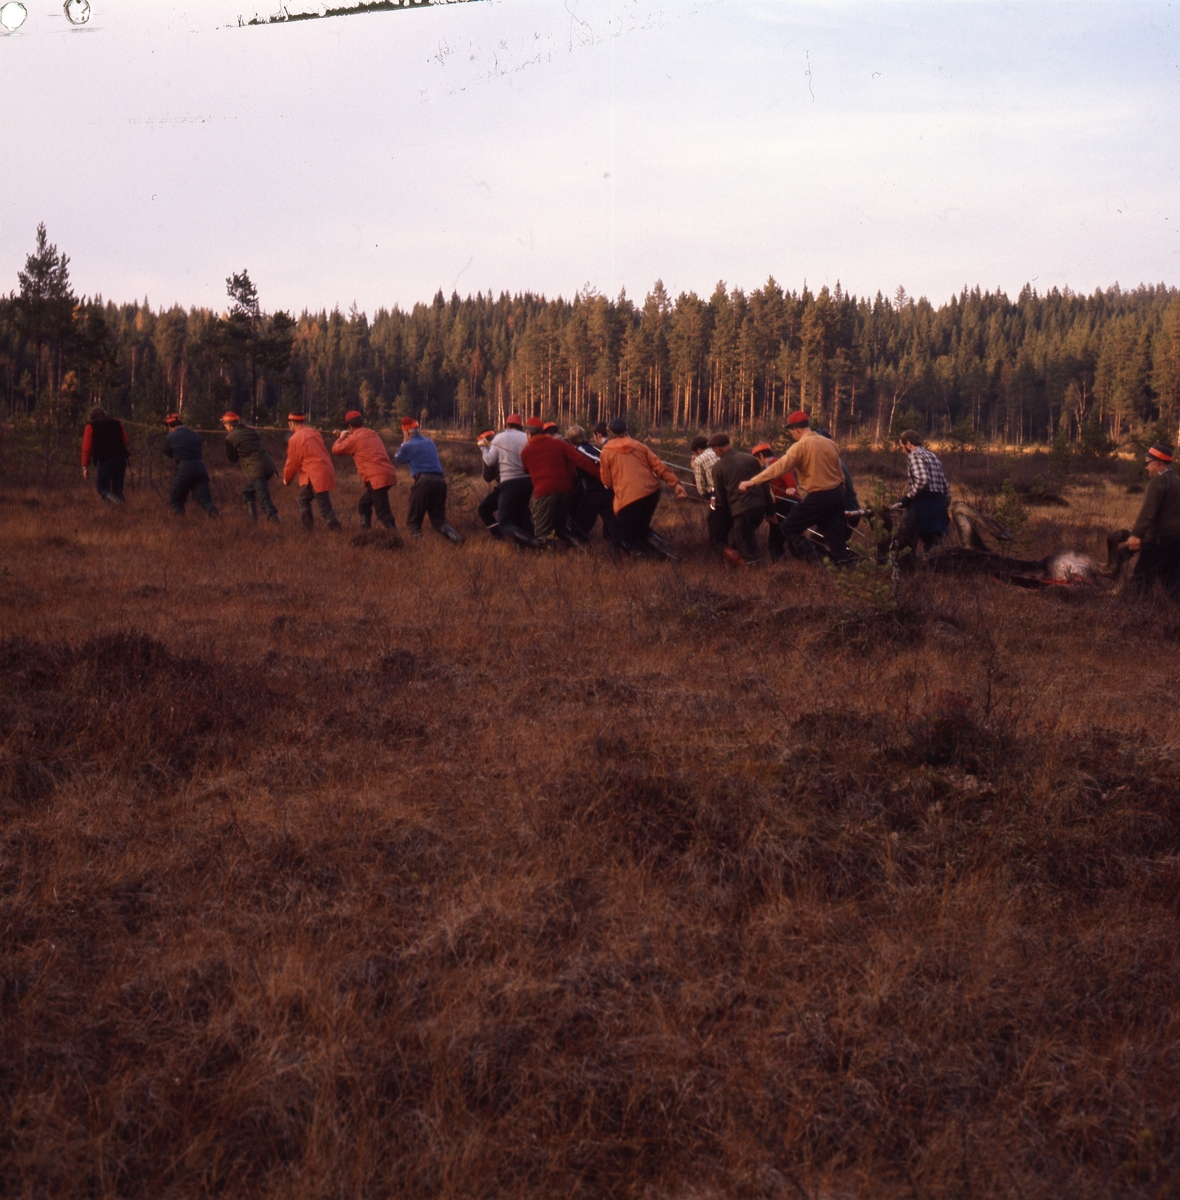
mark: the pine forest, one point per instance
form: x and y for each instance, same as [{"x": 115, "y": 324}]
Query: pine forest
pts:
[{"x": 1084, "y": 370}]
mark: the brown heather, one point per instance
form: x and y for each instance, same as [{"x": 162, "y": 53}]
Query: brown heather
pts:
[{"x": 335, "y": 870}]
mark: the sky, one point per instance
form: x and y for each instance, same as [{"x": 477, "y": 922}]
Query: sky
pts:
[{"x": 554, "y": 146}]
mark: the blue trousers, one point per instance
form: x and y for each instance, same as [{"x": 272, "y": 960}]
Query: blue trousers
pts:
[{"x": 256, "y": 494}]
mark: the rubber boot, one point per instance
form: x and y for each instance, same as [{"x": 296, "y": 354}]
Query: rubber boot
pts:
[
  {"x": 275, "y": 519},
  {"x": 366, "y": 520},
  {"x": 519, "y": 536},
  {"x": 308, "y": 521},
  {"x": 252, "y": 509},
  {"x": 451, "y": 533},
  {"x": 653, "y": 541},
  {"x": 334, "y": 525}
]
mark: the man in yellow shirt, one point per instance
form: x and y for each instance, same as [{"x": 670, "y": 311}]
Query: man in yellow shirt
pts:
[{"x": 820, "y": 478}]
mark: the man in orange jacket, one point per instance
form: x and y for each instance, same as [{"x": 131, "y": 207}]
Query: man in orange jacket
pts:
[
  {"x": 633, "y": 473},
  {"x": 373, "y": 465},
  {"x": 308, "y": 458}
]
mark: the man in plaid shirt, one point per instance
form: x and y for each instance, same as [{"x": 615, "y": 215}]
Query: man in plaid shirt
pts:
[{"x": 926, "y": 499}]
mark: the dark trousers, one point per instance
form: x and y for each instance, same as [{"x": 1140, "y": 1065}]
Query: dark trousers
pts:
[
  {"x": 595, "y": 501},
  {"x": 375, "y": 500},
  {"x": 513, "y": 508},
  {"x": 825, "y": 511},
  {"x": 256, "y": 494},
  {"x": 742, "y": 533},
  {"x": 191, "y": 478},
  {"x": 428, "y": 498},
  {"x": 925, "y": 520},
  {"x": 306, "y": 495},
  {"x": 738, "y": 532},
  {"x": 1158, "y": 559},
  {"x": 634, "y": 520},
  {"x": 109, "y": 478},
  {"x": 487, "y": 511},
  {"x": 775, "y": 542},
  {"x": 551, "y": 514}
]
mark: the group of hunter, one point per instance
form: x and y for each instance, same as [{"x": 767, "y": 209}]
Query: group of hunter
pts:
[{"x": 548, "y": 489}]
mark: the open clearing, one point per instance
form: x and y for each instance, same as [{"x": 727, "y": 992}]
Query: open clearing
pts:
[{"x": 331, "y": 869}]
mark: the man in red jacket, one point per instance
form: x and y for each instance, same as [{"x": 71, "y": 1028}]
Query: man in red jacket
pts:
[
  {"x": 552, "y": 465},
  {"x": 373, "y": 465},
  {"x": 308, "y": 458}
]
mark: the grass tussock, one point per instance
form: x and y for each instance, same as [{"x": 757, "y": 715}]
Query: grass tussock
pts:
[{"x": 326, "y": 870}]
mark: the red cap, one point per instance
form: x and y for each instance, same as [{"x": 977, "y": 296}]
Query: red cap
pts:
[
  {"x": 230, "y": 416},
  {"x": 798, "y": 418},
  {"x": 352, "y": 415},
  {"x": 1162, "y": 453},
  {"x": 172, "y": 419},
  {"x": 534, "y": 423},
  {"x": 296, "y": 416},
  {"x": 549, "y": 426},
  {"x": 487, "y": 433},
  {"x": 761, "y": 448},
  {"x": 409, "y": 423},
  {"x": 513, "y": 419}
]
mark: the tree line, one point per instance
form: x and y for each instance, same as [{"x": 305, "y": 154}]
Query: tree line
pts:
[{"x": 1092, "y": 370}]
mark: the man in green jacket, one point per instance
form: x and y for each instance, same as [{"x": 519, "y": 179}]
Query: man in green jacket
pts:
[
  {"x": 243, "y": 445},
  {"x": 1156, "y": 532}
]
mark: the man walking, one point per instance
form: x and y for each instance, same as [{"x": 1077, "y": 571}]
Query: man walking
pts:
[
  {"x": 309, "y": 460},
  {"x": 373, "y": 465},
  {"x": 737, "y": 513},
  {"x": 105, "y": 444},
  {"x": 927, "y": 499},
  {"x": 816, "y": 464},
  {"x": 190, "y": 476},
  {"x": 633, "y": 472},
  {"x": 1156, "y": 532},
  {"x": 243, "y": 445},
  {"x": 428, "y": 496},
  {"x": 553, "y": 466},
  {"x": 516, "y": 489}
]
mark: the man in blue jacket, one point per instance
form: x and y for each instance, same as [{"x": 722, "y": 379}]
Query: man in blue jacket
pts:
[
  {"x": 190, "y": 476},
  {"x": 428, "y": 496}
]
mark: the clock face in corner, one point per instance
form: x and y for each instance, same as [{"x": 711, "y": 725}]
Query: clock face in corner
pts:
[{"x": 77, "y": 11}]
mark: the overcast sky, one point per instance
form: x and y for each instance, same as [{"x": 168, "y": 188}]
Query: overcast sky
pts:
[{"x": 547, "y": 145}]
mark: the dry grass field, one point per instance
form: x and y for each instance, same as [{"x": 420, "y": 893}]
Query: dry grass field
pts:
[{"x": 331, "y": 869}]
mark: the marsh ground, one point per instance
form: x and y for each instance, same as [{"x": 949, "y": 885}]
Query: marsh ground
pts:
[{"x": 335, "y": 869}]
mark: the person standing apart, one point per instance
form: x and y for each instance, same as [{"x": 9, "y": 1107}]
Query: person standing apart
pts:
[
  {"x": 816, "y": 464},
  {"x": 1156, "y": 532},
  {"x": 516, "y": 488},
  {"x": 428, "y": 496},
  {"x": 105, "y": 444},
  {"x": 633, "y": 473},
  {"x": 927, "y": 499},
  {"x": 243, "y": 445},
  {"x": 309, "y": 460},
  {"x": 190, "y": 476},
  {"x": 373, "y": 465}
]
